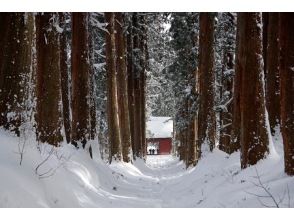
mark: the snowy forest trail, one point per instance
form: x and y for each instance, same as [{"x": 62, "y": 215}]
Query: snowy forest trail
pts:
[
  {"x": 69, "y": 178},
  {"x": 153, "y": 184}
]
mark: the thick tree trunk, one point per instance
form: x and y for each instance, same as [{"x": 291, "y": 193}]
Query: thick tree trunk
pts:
[
  {"x": 206, "y": 115},
  {"x": 286, "y": 39},
  {"x": 15, "y": 68},
  {"x": 113, "y": 117},
  {"x": 272, "y": 72},
  {"x": 48, "y": 80},
  {"x": 64, "y": 79},
  {"x": 122, "y": 82},
  {"x": 254, "y": 135},
  {"x": 80, "y": 79},
  {"x": 4, "y": 32}
]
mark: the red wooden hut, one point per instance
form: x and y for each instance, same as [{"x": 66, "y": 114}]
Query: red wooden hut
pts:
[{"x": 159, "y": 135}]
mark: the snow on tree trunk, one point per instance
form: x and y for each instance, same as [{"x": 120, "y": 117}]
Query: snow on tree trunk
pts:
[
  {"x": 137, "y": 68},
  {"x": 80, "y": 79},
  {"x": 64, "y": 79},
  {"x": 206, "y": 115},
  {"x": 122, "y": 81},
  {"x": 227, "y": 43},
  {"x": 235, "y": 142},
  {"x": 15, "y": 68},
  {"x": 254, "y": 137},
  {"x": 131, "y": 78},
  {"x": 272, "y": 72},
  {"x": 48, "y": 79},
  {"x": 143, "y": 64},
  {"x": 112, "y": 106}
]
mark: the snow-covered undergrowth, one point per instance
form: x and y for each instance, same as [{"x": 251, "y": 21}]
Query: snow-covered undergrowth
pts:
[{"x": 67, "y": 177}]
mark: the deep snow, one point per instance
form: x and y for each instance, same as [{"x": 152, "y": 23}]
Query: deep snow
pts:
[{"x": 69, "y": 178}]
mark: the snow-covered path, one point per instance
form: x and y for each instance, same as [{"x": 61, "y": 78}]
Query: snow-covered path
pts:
[{"x": 69, "y": 178}]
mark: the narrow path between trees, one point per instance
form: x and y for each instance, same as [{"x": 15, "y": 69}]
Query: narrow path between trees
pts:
[{"x": 68, "y": 178}]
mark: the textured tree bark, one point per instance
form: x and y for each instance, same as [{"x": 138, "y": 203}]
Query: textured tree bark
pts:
[
  {"x": 131, "y": 78},
  {"x": 286, "y": 39},
  {"x": 93, "y": 117},
  {"x": 80, "y": 79},
  {"x": 48, "y": 80},
  {"x": 4, "y": 27},
  {"x": 144, "y": 58},
  {"x": 272, "y": 69},
  {"x": 64, "y": 79},
  {"x": 254, "y": 135},
  {"x": 206, "y": 115},
  {"x": 15, "y": 68},
  {"x": 137, "y": 87},
  {"x": 113, "y": 117},
  {"x": 122, "y": 81},
  {"x": 265, "y": 24}
]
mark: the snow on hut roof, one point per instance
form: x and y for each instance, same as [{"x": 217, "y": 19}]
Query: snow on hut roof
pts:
[{"x": 159, "y": 127}]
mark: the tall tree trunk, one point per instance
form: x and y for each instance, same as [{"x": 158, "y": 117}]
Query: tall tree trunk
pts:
[
  {"x": 15, "y": 68},
  {"x": 286, "y": 39},
  {"x": 48, "y": 80},
  {"x": 254, "y": 135},
  {"x": 93, "y": 123},
  {"x": 122, "y": 81},
  {"x": 136, "y": 68},
  {"x": 131, "y": 78},
  {"x": 272, "y": 69},
  {"x": 80, "y": 79},
  {"x": 113, "y": 117},
  {"x": 206, "y": 115},
  {"x": 64, "y": 79},
  {"x": 144, "y": 59}
]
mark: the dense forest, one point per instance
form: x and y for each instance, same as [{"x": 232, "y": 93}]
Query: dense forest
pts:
[{"x": 226, "y": 80}]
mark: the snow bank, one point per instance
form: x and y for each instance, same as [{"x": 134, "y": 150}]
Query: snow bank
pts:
[{"x": 67, "y": 177}]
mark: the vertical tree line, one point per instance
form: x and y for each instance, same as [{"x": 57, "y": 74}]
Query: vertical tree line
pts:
[
  {"x": 126, "y": 63},
  {"x": 76, "y": 76},
  {"x": 243, "y": 86}
]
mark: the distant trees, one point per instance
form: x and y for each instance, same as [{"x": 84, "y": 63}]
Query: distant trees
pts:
[
  {"x": 225, "y": 64},
  {"x": 206, "y": 70},
  {"x": 184, "y": 32},
  {"x": 126, "y": 66}
]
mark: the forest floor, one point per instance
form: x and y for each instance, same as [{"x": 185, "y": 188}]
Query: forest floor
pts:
[{"x": 67, "y": 177}]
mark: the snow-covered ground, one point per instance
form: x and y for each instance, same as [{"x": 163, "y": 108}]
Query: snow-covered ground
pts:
[{"x": 67, "y": 177}]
